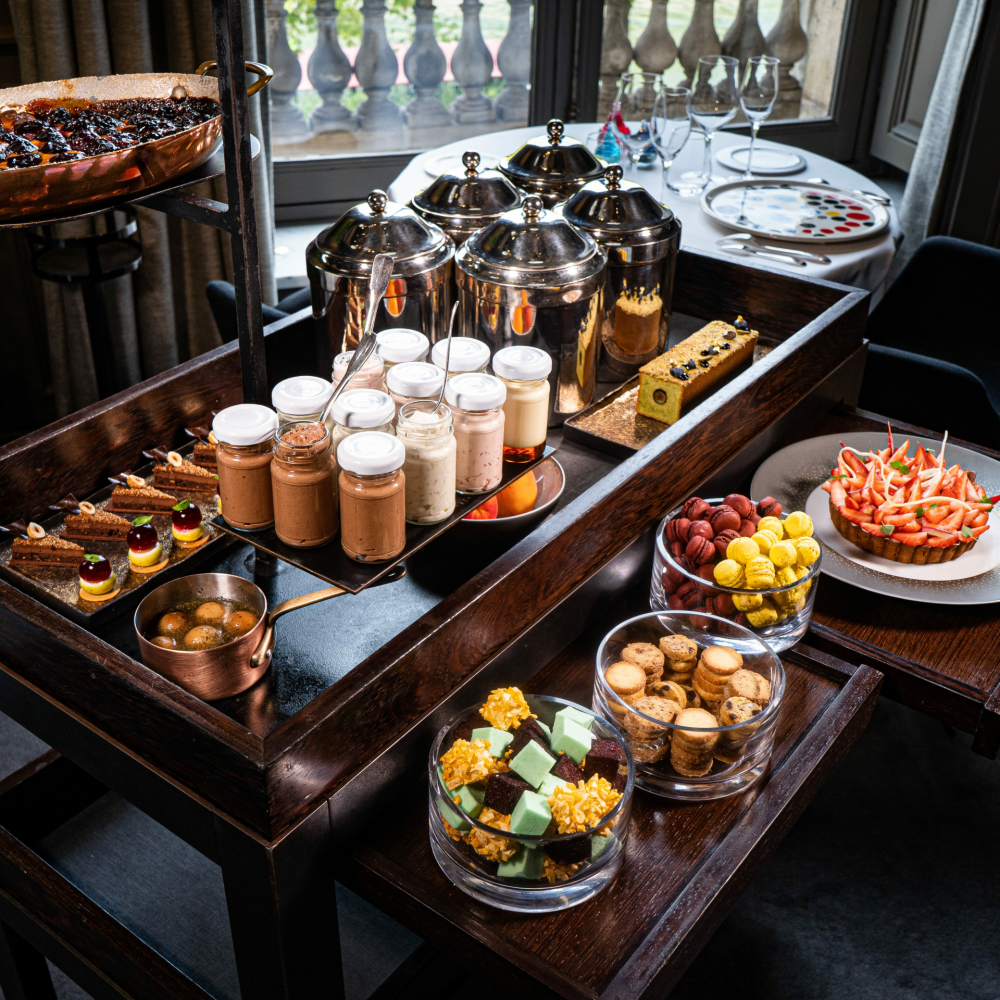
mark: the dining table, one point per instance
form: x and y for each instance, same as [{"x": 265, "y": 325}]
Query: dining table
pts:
[{"x": 862, "y": 263}]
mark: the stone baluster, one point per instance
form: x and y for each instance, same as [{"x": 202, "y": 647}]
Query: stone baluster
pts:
[
  {"x": 514, "y": 62},
  {"x": 616, "y": 53},
  {"x": 472, "y": 68},
  {"x": 425, "y": 65},
  {"x": 789, "y": 43},
  {"x": 699, "y": 40},
  {"x": 655, "y": 50},
  {"x": 744, "y": 37},
  {"x": 288, "y": 123},
  {"x": 329, "y": 72},
  {"x": 376, "y": 68}
]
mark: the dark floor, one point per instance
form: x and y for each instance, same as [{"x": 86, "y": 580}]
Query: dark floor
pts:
[{"x": 885, "y": 889}]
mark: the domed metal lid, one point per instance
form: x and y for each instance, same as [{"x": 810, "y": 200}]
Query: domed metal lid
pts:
[
  {"x": 611, "y": 209},
  {"x": 555, "y": 158},
  {"x": 477, "y": 197},
  {"x": 531, "y": 246},
  {"x": 379, "y": 226}
]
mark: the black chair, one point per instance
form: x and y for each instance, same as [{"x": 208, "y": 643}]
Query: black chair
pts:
[
  {"x": 222, "y": 301},
  {"x": 933, "y": 359}
]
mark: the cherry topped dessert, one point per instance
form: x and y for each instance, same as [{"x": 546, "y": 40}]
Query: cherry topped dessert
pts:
[
  {"x": 186, "y": 523},
  {"x": 96, "y": 575},
  {"x": 144, "y": 547}
]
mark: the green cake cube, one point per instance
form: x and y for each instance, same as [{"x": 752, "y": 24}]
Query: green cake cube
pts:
[
  {"x": 532, "y": 763},
  {"x": 597, "y": 845},
  {"x": 531, "y": 815},
  {"x": 570, "y": 738},
  {"x": 527, "y": 863},
  {"x": 550, "y": 783},
  {"x": 581, "y": 718},
  {"x": 496, "y": 738},
  {"x": 451, "y": 813},
  {"x": 545, "y": 729},
  {"x": 470, "y": 800}
]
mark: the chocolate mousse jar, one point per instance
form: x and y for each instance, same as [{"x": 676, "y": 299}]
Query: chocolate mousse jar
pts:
[
  {"x": 245, "y": 435},
  {"x": 414, "y": 380},
  {"x": 476, "y": 403},
  {"x": 427, "y": 435},
  {"x": 303, "y": 397},
  {"x": 397, "y": 346},
  {"x": 372, "y": 496},
  {"x": 371, "y": 376},
  {"x": 524, "y": 372},
  {"x": 303, "y": 483}
]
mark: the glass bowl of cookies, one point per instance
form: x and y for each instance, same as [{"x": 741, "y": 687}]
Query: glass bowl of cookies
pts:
[
  {"x": 529, "y": 801},
  {"x": 739, "y": 559},
  {"x": 695, "y": 698}
]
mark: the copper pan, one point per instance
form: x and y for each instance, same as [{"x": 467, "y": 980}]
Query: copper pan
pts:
[
  {"x": 225, "y": 670},
  {"x": 51, "y": 187}
]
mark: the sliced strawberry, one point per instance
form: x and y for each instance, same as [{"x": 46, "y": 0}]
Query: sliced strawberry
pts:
[
  {"x": 856, "y": 516},
  {"x": 910, "y": 538}
]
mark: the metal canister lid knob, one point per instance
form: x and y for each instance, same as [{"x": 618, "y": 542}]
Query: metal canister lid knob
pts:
[
  {"x": 532, "y": 208},
  {"x": 555, "y": 128},
  {"x": 471, "y": 162},
  {"x": 377, "y": 201},
  {"x": 613, "y": 177}
]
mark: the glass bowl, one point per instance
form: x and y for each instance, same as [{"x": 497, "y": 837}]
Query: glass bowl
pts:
[
  {"x": 478, "y": 877},
  {"x": 745, "y": 746},
  {"x": 676, "y": 588}
]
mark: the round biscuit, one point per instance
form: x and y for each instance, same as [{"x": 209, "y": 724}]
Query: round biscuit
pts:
[
  {"x": 748, "y": 684},
  {"x": 645, "y": 655},
  {"x": 721, "y": 660},
  {"x": 625, "y": 678},
  {"x": 678, "y": 647}
]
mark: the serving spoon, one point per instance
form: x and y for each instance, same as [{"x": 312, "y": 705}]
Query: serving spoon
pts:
[
  {"x": 447, "y": 358},
  {"x": 377, "y": 285}
]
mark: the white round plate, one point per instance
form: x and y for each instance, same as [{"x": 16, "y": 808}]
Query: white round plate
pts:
[
  {"x": 451, "y": 163},
  {"x": 795, "y": 211},
  {"x": 792, "y": 476},
  {"x": 769, "y": 161}
]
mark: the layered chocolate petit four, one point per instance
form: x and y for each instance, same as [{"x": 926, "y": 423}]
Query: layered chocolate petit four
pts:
[
  {"x": 45, "y": 551},
  {"x": 140, "y": 500},
  {"x": 181, "y": 476},
  {"x": 95, "y": 525}
]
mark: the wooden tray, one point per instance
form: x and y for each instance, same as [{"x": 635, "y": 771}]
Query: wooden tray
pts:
[
  {"x": 685, "y": 863},
  {"x": 329, "y": 562}
]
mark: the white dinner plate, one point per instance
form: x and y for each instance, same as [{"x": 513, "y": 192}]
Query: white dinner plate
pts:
[
  {"x": 451, "y": 163},
  {"x": 795, "y": 211},
  {"x": 792, "y": 476},
  {"x": 769, "y": 161}
]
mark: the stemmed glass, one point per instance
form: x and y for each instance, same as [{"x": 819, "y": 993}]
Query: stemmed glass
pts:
[
  {"x": 670, "y": 127},
  {"x": 712, "y": 103},
  {"x": 757, "y": 96},
  {"x": 633, "y": 105}
]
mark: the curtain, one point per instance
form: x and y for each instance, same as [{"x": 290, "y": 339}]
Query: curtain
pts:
[
  {"x": 927, "y": 184},
  {"x": 159, "y": 315}
]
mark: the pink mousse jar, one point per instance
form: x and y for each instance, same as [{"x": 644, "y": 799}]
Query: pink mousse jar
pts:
[{"x": 476, "y": 401}]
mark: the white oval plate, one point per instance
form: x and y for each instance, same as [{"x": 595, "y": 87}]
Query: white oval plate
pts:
[
  {"x": 795, "y": 211},
  {"x": 451, "y": 163},
  {"x": 769, "y": 161},
  {"x": 792, "y": 476}
]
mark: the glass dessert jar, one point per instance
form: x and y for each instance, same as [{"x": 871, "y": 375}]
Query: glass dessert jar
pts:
[
  {"x": 538, "y": 872},
  {"x": 303, "y": 484},
  {"x": 476, "y": 402},
  {"x": 467, "y": 355},
  {"x": 413, "y": 380},
  {"x": 525, "y": 373},
  {"x": 399, "y": 345},
  {"x": 707, "y": 734},
  {"x": 371, "y": 376},
  {"x": 361, "y": 410},
  {"x": 429, "y": 440},
  {"x": 372, "y": 496},
  {"x": 245, "y": 435},
  {"x": 303, "y": 397}
]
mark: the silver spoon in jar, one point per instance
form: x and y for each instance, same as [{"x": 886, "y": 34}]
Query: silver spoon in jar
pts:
[
  {"x": 378, "y": 282},
  {"x": 447, "y": 358}
]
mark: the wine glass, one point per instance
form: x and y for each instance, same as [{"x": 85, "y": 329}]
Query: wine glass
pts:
[
  {"x": 670, "y": 127},
  {"x": 633, "y": 105},
  {"x": 757, "y": 96},
  {"x": 712, "y": 103}
]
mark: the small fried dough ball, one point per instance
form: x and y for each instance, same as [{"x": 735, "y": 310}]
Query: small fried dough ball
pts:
[
  {"x": 241, "y": 621},
  {"x": 202, "y": 637},
  {"x": 172, "y": 623},
  {"x": 210, "y": 613},
  {"x": 165, "y": 642}
]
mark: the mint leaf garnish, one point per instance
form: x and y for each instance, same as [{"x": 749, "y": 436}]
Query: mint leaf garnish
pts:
[
  {"x": 900, "y": 467},
  {"x": 183, "y": 505},
  {"x": 966, "y": 532},
  {"x": 90, "y": 557},
  {"x": 139, "y": 521},
  {"x": 887, "y": 529}
]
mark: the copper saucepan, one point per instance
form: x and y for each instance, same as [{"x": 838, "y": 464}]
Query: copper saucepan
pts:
[
  {"x": 228, "y": 669},
  {"x": 51, "y": 187}
]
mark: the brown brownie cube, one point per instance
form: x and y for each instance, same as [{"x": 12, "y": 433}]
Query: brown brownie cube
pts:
[
  {"x": 503, "y": 790},
  {"x": 464, "y": 730},
  {"x": 603, "y": 758},
  {"x": 567, "y": 770},
  {"x": 569, "y": 852},
  {"x": 526, "y": 732}
]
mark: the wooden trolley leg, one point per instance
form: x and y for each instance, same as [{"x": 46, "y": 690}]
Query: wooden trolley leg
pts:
[
  {"x": 24, "y": 973},
  {"x": 283, "y": 911}
]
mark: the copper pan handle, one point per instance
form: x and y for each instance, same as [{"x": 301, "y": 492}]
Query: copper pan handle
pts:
[
  {"x": 262, "y": 654},
  {"x": 264, "y": 74}
]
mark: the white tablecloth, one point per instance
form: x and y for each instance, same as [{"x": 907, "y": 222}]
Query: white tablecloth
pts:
[{"x": 861, "y": 263}]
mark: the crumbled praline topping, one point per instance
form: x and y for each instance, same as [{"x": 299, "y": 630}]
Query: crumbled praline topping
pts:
[
  {"x": 556, "y": 872},
  {"x": 580, "y": 807},
  {"x": 466, "y": 763},
  {"x": 451, "y": 831},
  {"x": 505, "y": 708},
  {"x": 490, "y": 845}
]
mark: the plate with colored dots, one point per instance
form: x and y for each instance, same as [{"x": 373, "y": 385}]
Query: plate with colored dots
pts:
[{"x": 795, "y": 211}]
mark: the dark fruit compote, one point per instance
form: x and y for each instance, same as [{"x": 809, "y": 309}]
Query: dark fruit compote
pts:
[
  {"x": 186, "y": 523},
  {"x": 144, "y": 547},
  {"x": 96, "y": 575}
]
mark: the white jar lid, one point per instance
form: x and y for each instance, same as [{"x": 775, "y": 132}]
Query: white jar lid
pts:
[
  {"x": 416, "y": 379},
  {"x": 363, "y": 408},
  {"x": 467, "y": 354},
  {"x": 301, "y": 394},
  {"x": 475, "y": 392},
  {"x": 399, "y": 345},
  {"x": 245, "y": 424},
  {"x": 371, "y": 453},
  {"x": 522, "y": 364}
]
